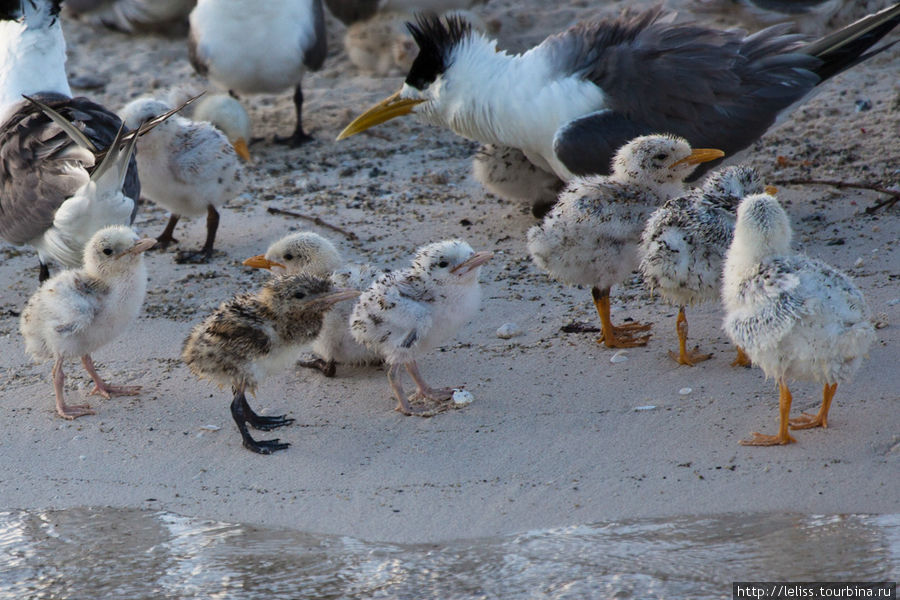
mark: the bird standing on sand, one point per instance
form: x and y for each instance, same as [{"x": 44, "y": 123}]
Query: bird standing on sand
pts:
[
  {"x": 591, "y": 236},
  {"x": 796, "y": 317},
  {"x": 408, "y": 312},
  {"x": 188, "y": 167},
  {"x": 253, "y": 335},
  {"x": 76, "y": 312},
  {"x": 259, "y": 47},
  {"x": 684, "y": 243},
  {"x": 44, "y": 173},
  {"x": 571, "y": 101},
  {"x": 309, "y": 253}
]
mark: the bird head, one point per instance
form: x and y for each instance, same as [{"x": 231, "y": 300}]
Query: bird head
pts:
[
  {"x": 301, "y": 300},
  {"x": 437, "y": 38},
  {"x": 727, "y": 187},
  {"x": 663, "y": 159},
  {"x": 138, "y": 111},
  {"x": 115, "y": 249},
  {"x": 302, "y": 252},
  {"x": 762, "y": 227},
  {"x": 230, "y": 117},
  {"x": 33, "y": 13},
  {"x": 451, "y": 261}
]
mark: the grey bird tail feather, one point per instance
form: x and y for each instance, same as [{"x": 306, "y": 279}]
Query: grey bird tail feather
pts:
[
  {"x": 121, "y": 138},
  {"x": 849, "y": 45}
]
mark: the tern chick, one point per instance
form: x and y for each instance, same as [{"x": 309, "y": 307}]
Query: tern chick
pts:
[
  {"x": 795, "y": 316},
  {"x": 309, "y": 253},
  {"x": 78, "y": 311},
  {"x": 684, "y": 243},
  {"x": 591, "y": 235},
  {"x": 253, "y": 335},
  {"x": 408, "y": 312},
  {"x": 188, "y": 167}
]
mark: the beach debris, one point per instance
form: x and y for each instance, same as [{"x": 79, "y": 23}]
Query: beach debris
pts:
[
  {"x": 462, "y": 397},
  {"x": 210, "y": 428},
  {"x": 509, "y": 330},
  {"x": 645, "y": 407},
  {"x": 685, "y": 391},
  {"x": 619, "y": 357}
]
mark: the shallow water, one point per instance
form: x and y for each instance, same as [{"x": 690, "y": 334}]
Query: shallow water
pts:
[{"x": 131, "y": 554}]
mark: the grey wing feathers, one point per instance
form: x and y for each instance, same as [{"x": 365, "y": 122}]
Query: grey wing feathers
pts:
[
  {"x": 716, "y": 88},
  {"x": 36, "y": 158},
  {"x": 775, "y": 294},
  {"x": 314, "y": 56},
  {"x": 588, "y": 143}
]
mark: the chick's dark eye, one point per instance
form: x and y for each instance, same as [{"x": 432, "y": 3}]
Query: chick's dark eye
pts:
[
  {"x": 288, "y": 256},
  {"x": 661, "y": 156},
  {"x": 107, "y": 251},
  {"x": 299, "y": 295},
  {"x": 443, "y": 264}
]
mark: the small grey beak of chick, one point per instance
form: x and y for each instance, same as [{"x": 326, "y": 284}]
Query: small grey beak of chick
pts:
[
  {"x": 473, "y": 262},
  {"x": 139, "y": 246},
  {"x": 337, "y": 295}
]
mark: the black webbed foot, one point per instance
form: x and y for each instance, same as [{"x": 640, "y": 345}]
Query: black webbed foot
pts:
[
  {"x": 295, "y": 140},
  {"x": 193, "y": 257},
  {"x": 264, "y": 446},
  {"x": 243, "y": 414}
]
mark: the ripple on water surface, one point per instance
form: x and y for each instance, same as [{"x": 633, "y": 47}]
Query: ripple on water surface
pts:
[{"x": 131, "y": 554}]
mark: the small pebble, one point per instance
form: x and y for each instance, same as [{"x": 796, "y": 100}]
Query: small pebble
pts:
[
  {"x": 462, "y": 397},
  {"x": 863, "y": 105},
  {"x": 210, "y": 427},
  {"x": 508, "y": 330},
  {"x": 645, "y": 407},
  {"x": 619, "y": 357},
  {"x": 859, "y": 262},
  {"x": 685, "y": 391}
]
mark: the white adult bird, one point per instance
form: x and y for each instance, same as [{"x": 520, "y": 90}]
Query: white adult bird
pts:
[
  {"x": 406, "y": 313},
  {"x": 133, "y": 16},
  {"x": 76, "y": 312},
  {"x": 188, "y": 167},
  {"x": 591, "y": 235},
  {"x": 309, "y": 253},
  {"x": 684, "y": 243},
  {"x": 253, "y": 335},
  {"x": 45, "y": 175},
  {"x": 259, "y": 47},
  {"x": 571, "y": 101},
  {"x": 795, "y": 316}
]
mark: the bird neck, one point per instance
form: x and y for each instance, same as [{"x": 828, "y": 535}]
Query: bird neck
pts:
[
  {"x": 516, "y": 100},
  {"x": 32, "y": 59}
]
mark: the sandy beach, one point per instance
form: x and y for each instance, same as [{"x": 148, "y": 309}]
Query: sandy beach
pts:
[{"x": 557, "y": 434}]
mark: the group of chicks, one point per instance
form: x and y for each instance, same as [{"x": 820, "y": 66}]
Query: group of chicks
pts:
[{"x": 794, "y": 316}]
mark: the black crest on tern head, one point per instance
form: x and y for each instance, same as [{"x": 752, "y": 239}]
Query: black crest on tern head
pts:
[
  {"x": 11, "y": 10},
  {"x": 436, "y": 38}
]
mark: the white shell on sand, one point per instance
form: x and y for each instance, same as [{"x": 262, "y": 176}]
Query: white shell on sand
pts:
[
  {"x": 618, "y": 357},
  {"x": 509, "y": 330},
  {"x": 462, "y": 397}
]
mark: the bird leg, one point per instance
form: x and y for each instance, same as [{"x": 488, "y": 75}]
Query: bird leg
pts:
[
  {"x": 425, "y": 391},
  {"x": 43, "y": 273},
  {"x": 299, "y": 136},
  {"x": 808, "y": 421},
  {"x": 166, "y": 237},
  {"x": 103, "y": 388},
  {"x": 617, "y": 337},
  {"x": 394, "y": 379},
  {"x": 66, "y": 411},
  {"x": 326, "y": 367},
  {"x": 685, "y": 356},
  {"x": 243, "y": 414},
  {"x": 742, "y": 359},
  {"x": 784, "y": 409},
  {"x": 201, "y": 256}
]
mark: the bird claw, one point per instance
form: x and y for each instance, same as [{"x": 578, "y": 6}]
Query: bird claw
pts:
[
  {"x": 269, "y": 423},
  {"x": 426, "y": 405},
  {"x": 759, "y": 439},
  {"x": 193, "y": 257},
  {"x": 265, "y": 446},
  {"x": 327, "y": 368},
  {"x": 107, "y": 391},
  {"x": 807, "y": 421},
  {"x": 689, "y": 358},
  {"x": 73, "y": 411},
  {"x": 624, "y": 336}
]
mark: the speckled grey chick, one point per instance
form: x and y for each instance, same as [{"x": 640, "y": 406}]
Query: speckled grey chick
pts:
[
  {"x": 590, "y": 237},
  {"x": 795, "y": 316},
  {"x": 684, "y": 243},
  {"x": 253, "y": 335},
  {"x": 310, "y": 253},
  {"x": 408, "y": 312}
]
